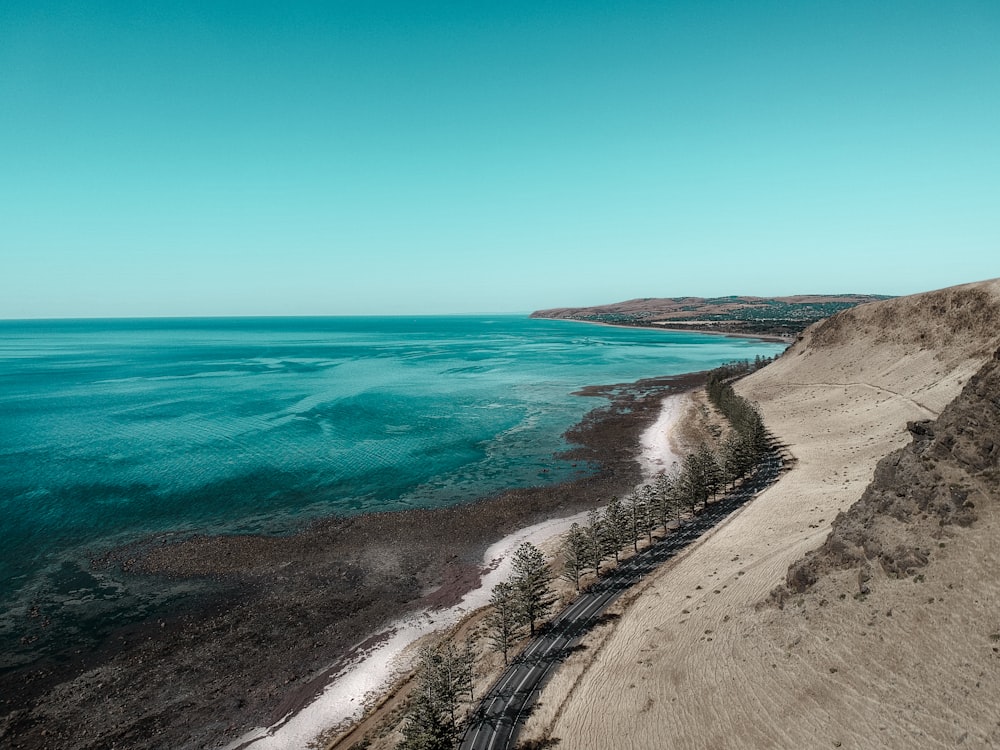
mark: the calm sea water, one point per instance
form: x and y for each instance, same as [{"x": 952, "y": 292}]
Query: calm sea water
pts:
[{"x": 110, "y": 430}]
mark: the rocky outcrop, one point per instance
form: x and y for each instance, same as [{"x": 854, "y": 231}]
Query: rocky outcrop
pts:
[{"x": 950, "y": 467}]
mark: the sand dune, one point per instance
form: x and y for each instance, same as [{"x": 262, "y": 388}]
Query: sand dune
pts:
[{"x": 700, "y": 659}]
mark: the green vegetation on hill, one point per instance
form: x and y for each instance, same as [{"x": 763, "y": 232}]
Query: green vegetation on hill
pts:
[{"x": 748, "y": 315}]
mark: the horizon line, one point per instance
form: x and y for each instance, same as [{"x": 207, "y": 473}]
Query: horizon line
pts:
[{"x": 224, "y": 316}]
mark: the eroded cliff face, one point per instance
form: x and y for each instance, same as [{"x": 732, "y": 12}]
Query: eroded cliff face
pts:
[{"x": 951, "y": 467}]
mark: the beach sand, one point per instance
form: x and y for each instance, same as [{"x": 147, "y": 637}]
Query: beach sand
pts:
[{"x": 659, "y": 450}]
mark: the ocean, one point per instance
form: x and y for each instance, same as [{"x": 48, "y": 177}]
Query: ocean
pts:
[{"x": 112, "y": 430}]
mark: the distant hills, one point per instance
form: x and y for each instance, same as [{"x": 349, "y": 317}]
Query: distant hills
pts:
[{"x": 783, "y": 316}]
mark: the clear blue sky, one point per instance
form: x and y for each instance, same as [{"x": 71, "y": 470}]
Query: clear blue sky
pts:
[{"x": 207, "y": 158}]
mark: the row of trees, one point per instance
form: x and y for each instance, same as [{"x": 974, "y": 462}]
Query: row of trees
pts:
[
  {"x": 522, "y": 601},
  {"x": 445, "y": 672},
  {"x": 740, "y": 367},
  {"x": 619, "y": 524},
  {"x": 525, "y": 599},
  {"x": 748, "y": 440},
  {"x": 687, "y": 488}
]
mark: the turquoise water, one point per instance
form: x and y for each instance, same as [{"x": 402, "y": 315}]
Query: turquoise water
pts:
[{"x": 110, "y": 430}]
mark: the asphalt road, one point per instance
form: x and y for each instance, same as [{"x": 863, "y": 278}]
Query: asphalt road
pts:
[{"x": 501, "y": 712}]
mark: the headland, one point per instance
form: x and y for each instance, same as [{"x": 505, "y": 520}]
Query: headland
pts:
[{"x": 768, "y": 318}]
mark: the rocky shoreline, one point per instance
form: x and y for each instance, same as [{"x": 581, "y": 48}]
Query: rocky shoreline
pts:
[{"x": 278, "y": 612}]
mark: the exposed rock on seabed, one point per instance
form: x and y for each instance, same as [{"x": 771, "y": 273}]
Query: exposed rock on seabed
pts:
[{"x": 281, "y": 610}]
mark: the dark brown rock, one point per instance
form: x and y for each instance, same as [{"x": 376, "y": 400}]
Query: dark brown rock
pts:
[{"x": 890, "y": 525}]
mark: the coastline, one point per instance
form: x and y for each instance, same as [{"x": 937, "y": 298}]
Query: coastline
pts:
[
  {"x": 682, "y": 327},
  {"x": 286, "y": 614},
  {"x": 368, "y": 677}
]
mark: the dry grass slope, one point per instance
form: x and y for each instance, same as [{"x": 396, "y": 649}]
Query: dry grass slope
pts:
[
  {"x": 702, "y": 658},
  {"x": 919, "y": 492}
]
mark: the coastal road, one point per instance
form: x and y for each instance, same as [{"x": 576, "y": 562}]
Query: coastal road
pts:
[{"x": 495, "y": 724}]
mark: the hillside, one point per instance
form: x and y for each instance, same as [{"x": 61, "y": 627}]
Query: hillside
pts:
[
  {"x": 886, "y": 637},
  {"x": 747, "y": 315},
  {"x": 944, "y": 480}
]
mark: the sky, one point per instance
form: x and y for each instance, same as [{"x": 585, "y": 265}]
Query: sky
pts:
[{"x": 372, "y": 157}]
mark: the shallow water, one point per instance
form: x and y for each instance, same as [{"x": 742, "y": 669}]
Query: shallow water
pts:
[{"x": 110, "y": 430}]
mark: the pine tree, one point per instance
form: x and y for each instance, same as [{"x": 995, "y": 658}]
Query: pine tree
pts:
[
  {"x": 444, "y": 678},
  {"x": 693, "y": 482},
  {"x": 467, "y": 659},
  {"x": 575, "y": 555},
  {"x": 662, "y": 490},
  {"x": 676, "y": 493},
  {"x": 733, "y": 463},
  {"x": 504, "y": 621},
  {"x": 532, "y": 580},
  {"x": 616, "y": 525},
  {"x": 425, "y": 727},
  {"x": 730, "y": 459},
  {"x": 708, "y": 465},
  {"x": 648, "y": 518},
  {"x": 595, "y": 541},
  {"x": 450, "y": 670},
  {"x": 633, "y": 512}
]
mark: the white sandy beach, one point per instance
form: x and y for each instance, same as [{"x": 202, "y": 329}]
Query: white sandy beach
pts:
[
  {"x": 658, "y": 451},
  {"x": 351, "y": 690}
]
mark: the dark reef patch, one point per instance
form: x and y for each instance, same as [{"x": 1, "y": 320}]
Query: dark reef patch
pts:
[{"x": 267, "y": 616}]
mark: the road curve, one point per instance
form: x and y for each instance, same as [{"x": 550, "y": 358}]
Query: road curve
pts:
[{"x": 495, "y": 723}]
